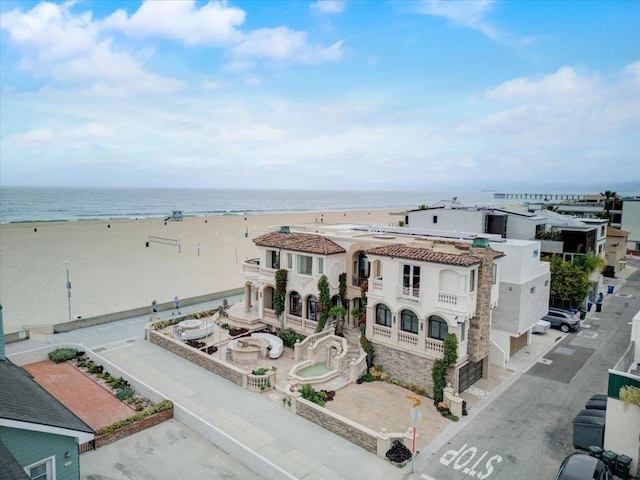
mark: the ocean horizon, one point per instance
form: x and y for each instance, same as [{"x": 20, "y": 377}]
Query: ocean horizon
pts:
[{"x": 51, "y": 204}]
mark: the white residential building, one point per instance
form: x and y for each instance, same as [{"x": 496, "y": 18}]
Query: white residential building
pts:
[{"x": 418, "y": 289}]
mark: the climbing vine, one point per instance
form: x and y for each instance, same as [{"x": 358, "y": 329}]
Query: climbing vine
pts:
[
  {"x": 441, "y": 365},
  {"x": 281, "y": 291}
]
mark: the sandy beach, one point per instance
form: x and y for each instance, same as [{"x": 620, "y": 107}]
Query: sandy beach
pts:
[{"x": 111, "y": 269}]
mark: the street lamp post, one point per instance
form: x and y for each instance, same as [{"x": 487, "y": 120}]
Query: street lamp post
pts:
[{"x": 68, "y": 286}]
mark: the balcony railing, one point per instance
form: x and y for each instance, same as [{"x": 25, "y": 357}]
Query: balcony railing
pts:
[
  {"x": 407, "y": 338},
  {"x": 380, "y": 331},
  {"x": 409, "y": 293},
  {"x": 356, "y": 281},
  {"x": 409, "y": 341},
  {"x": 377, "y": 285}
]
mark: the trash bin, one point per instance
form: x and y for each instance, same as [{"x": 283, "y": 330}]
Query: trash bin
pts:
[
  {"x": 596, "y": 404},
  {"x": 598, "y": 396},
  {"x": 588, "y": 429},
  {"x": 623, "y": 467},
  {"x": 595, "y": 451},
  {"x": 610, "y": 289},
  {"x": 598, "y": 307},
  {"x": 609, "y": 458}
]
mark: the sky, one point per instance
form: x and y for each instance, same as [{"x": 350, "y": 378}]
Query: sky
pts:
[{"x": 357, "y": 94}]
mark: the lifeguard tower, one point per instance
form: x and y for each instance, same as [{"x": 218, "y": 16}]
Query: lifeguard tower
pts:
[{"x": 175, "y": 216}]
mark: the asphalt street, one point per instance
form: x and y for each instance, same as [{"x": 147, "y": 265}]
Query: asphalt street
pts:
[{"x": 527, "y": 431}]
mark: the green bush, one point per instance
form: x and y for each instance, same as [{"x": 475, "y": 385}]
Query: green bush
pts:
[
  {"x": 60, "y": 355},
  {"x": 289, "y": 337},
  {"x": 310, "y": 393},
  {"x": 367, "y": 377},
  {"x": 125, "y": 393},
  {"x": 260, "y": 371},
  {"x": 157, "y": 408}
]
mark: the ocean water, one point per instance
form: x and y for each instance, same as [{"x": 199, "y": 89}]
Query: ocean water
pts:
[{"x": 30, "y": 204}]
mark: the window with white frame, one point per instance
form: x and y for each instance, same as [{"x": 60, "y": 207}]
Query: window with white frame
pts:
[
  {"x": 305, "y": 264},
  {"x": 408, "y": 321},
  {"x": 273, "y": 258},
  {"x": 411, "y": 280},
  {"x": 43, "y": 470},
  {"x": 463, "y": 331},
  {"x": 472, "y": 281},
  {"x": 438, "y": 327},
  {"x": 383, "y": 315},
  {"x": 494, "y": 274},
  {"x": 289, "y": 261},
  {"x": 320, "y": 266}
]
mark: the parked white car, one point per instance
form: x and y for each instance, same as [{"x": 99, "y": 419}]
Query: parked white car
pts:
[{"x": 541, "y": 327}]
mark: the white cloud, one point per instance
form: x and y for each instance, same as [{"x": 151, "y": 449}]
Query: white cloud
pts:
[
  {"x": 464, "y": 13},
  {"x": 68, "y": 48},
  {"x": 328, "y": 6},
  {"x": 50, "y": 31},
  {"x": 564, "y": 84},
  {"x": 212, "y": 24},
  {"x": 282, "y": 44}
]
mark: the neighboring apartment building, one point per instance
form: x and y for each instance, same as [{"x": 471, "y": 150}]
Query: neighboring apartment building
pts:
[
  {"x": 418, "y": 289},
  {"x": 558, "y": 234},
  {"x": 616, "y": 252},
  {"x": 524, "y": 297},
  {"x": 631, "y": 222}
]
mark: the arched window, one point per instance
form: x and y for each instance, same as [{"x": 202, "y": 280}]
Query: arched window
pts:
[
  {"x": 408, "y": 321},
  {"x": 295, "y": 304},
  {"x": 312, "y": 308},
  {"x": 383, "y": 315},
  {"x": 438, "y": 328}
]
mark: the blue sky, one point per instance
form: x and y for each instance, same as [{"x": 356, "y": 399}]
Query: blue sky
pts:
[{"x": 329, "y": 94}]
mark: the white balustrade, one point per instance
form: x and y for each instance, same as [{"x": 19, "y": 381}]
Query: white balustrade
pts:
[
  {"x": 447, "y": 298},
  {"x": 434, "y": 346},
  {"x": 407, "y": 338},
  {"x": 380, "y": 331},
  {"x": 377, "y": 285}
]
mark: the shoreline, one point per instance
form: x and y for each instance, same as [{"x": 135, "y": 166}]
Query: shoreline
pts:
[{"x": 111, "y": 269}]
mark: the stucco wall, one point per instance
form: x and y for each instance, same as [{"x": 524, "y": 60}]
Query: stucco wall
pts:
[
  {"x": 631, "y": 222},
  {"x": 623, "y": 430},
  {"x": 448, "y": 220},
  {"x": 519, "y": 309}
]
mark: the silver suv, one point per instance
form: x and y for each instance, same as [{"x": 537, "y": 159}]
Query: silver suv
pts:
[{"x": 562, "y": 319}]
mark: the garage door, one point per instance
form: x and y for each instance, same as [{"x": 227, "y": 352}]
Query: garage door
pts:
[
  {"x": 469, "y": 374},
  {"x": 518, "y": 342}
]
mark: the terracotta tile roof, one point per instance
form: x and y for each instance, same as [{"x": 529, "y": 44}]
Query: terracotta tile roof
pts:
[
  {"x": 299, "y": 242},
  {"x": 428, "y": 255},
  {"x": 615, "y": 232}
]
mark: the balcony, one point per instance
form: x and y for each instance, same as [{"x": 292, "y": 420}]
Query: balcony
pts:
[
  {"x": 251, "y": 270},
  {"x": 455, "y": 302},
  {"x": 411, "y": 294},
  {"x": 376, "y": 285},
  {"x": 407, "y": 341}
]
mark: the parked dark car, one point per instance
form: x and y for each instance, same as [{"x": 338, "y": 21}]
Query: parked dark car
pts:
[
  {"x": 562, "y": 319},
  {"x": 579, "y": 466}
]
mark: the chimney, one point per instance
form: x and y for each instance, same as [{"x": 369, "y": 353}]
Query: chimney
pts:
[{"x": 479, "y": 345}]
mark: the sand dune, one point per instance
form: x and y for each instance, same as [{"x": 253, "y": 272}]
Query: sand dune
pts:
[{"x": 111, "y": 269}]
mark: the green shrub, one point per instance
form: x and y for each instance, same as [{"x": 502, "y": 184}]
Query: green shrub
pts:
[
  {"x": 260, "y": 371},
  {"x": 60, "y": 355},
  {"x": 157, "y": 408},
  {"x": 125, "y": 393},
  {"x": 310, "y": 393},
  {"x": 289, "y": 337},
  {"x": 367, "y": 377}
]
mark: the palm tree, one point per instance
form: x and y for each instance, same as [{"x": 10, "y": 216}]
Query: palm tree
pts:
[{"x": 610, "y": 200}]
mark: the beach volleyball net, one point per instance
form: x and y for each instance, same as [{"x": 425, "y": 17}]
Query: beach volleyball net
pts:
[{"x": 163, "y": 240}]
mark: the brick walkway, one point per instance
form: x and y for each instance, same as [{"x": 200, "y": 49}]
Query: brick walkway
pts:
[{"x": 90, "y": 401}]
